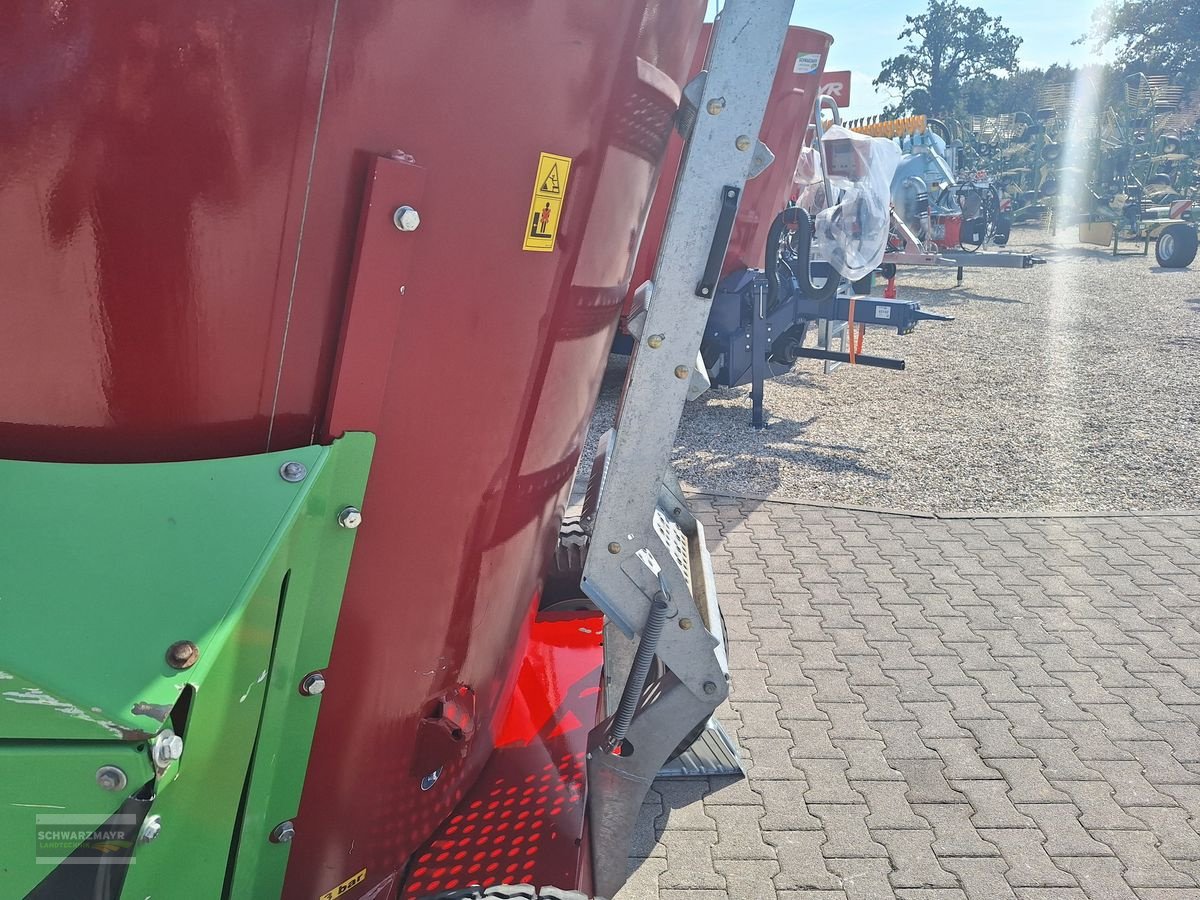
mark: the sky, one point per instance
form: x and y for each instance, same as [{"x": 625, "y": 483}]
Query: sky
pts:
[{"x": 866, "y": 32}]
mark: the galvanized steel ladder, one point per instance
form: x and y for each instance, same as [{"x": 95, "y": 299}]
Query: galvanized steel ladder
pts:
[{"x": 647, "y": 561}]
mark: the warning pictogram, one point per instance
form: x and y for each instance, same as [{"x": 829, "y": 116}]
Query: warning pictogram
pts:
[
  {"x": 551, "y": 184},
  {"x": 545, "y": 209}
]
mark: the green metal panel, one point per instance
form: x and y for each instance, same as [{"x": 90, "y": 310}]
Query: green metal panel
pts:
[
  {"x": 113, "y": 564},
  {"x": 57, "y": 779}
]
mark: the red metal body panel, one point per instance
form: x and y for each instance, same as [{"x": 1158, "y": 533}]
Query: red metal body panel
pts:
[
  {"x": 837, "y": 86},
  {"x": 788, "y": 115},
  {"x": 182, "y": 195},
  {"x": 523, "y": 821}
]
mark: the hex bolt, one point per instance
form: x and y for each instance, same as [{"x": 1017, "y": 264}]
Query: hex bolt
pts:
[
  {"x": 715, "y": 106},
  {"x": 313, "y": 684},
  {"x": 150, "y": 829},
  {"x": 614, "y": 548},
  {"x": 293, "y": 472},
  {"x": 111, "y": 778},
  {"x": 710, "y": 687},
  {"x": 681, "y": 372},
  {"x": 743, "y": 142},
  {"x": 168, "y": 747},
  {"x": 406, "y": 219},
  {"x": 350, "y": 517},
  {"x": 283, "y": 832},
  {"x": 431, "y": 779},
  {"x": 655, "y": 341},
  {"x": 685, "y": 624},
  {"x": 182, "y": 655}
]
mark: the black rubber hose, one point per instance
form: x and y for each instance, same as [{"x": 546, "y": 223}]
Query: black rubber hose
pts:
[{"x": 795, "y": 216}]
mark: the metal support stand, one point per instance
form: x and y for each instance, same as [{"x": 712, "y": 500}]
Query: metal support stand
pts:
[
  {"x": 758, "y": 360},
  {"x": 629, "y": 536}
]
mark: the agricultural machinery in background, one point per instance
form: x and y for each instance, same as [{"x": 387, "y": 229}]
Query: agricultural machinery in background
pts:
[
  {"x": 942, "y": 215},
  {"x": 786, "y": 275},
  {"x": 268, "y": 632},
  {"x": 1123, "y": 169},
  {"x": 1143, "y": 185}
]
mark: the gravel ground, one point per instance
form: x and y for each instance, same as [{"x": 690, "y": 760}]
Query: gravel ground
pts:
[{"x": 1070, "y": 387}]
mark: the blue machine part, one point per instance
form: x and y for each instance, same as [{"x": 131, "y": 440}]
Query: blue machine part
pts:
[{"x": 747, "y": 341}]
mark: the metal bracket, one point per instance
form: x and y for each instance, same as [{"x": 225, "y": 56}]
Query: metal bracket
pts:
[{"x": 720, "y": 241}]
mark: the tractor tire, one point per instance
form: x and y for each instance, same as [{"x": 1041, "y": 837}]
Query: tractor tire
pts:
[
  {"x": 509, "y": 892},
  {"x": 1176, "y": 246},
  {"x": 561, "y": 591}
]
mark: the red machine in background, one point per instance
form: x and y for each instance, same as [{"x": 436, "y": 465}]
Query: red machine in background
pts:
[
  {"x": 789, "y": 114},
  {"x": 239, "y": 237}
]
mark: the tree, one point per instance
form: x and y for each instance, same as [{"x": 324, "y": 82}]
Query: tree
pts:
[
  {"x": 948, "y": 44},
  {"x": 1154, "y": 36}
]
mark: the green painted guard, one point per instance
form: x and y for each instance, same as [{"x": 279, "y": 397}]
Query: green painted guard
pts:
[{"x": 102, "y": 569}]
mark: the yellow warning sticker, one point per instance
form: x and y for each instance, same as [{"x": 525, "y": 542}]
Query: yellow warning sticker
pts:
[
  {"x": 545, "y": 210},
  {"x": 344, "y": 888}
]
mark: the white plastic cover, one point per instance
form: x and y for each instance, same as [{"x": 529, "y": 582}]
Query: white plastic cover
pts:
[
  {"x": 808, "y": 185},
  {"x": 852, "y": 234}
]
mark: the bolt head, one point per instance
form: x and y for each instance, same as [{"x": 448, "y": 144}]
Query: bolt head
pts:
[
  {"x": 710, "y": 687},
  {"x": 111, "y": 778},
  {"x": 182, "y": 655},
  {"x": 685, "y": 624},
  {"x": 350, "y": 517},
  {"x": 293, "y": 472},
  {"x": 312, "y": 684},
  {"x": 151, "y": 828},
  {"x": 614, "y": 548},
  {"x": 743, "y": 142},
  {"x": 168, "y": 747},
  {"x": 406, "y": 219},
  {"x": 681, "y": 372},
  {"x": 655, "y": 341},
  {"x": 715, "y": 106},
  {"x": 283, "y": 832}
]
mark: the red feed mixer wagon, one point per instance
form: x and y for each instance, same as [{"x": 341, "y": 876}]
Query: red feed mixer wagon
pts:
[
  {"x": 281, "y": 495},
  {"x": 790, "y": 109}
]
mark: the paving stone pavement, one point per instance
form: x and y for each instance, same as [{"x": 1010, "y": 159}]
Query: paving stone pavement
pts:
[{"x": 945, "y": 709}]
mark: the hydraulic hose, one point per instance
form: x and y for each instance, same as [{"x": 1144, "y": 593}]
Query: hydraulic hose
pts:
[{"x": 799, "y": 219}]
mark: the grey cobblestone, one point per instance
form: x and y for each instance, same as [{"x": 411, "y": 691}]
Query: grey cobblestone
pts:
[{"x": 945, "y": 709}]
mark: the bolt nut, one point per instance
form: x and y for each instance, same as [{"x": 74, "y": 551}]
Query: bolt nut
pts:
[
  {"x": 150, "y": 829},
  {"x": 168, "y": 747},
  {"x": 293, "y": 471},
  {"x": 685, "y": 624},
  {"x": 681, "y": 372},
  {"x": 614, "y": 548},
  {"x": 350, "y": 517},
  {"x": 743, "y": 142},
  {"x": 710, "y": 687},
  {"x": 313, "y": 684},
  {"x": 715, "y": 106},
  {"x": 655, "y": 341},
  {"x": 406, "y": 219},
  {"x": 182, "y": 655},
  {"x": 283, "y": 832},
  {"x": 111, "y": 778}
]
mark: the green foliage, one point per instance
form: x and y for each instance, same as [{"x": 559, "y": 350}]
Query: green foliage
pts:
[
  {"x": 1158, "y": 37},
  {"x": 948, "y": 44}
]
